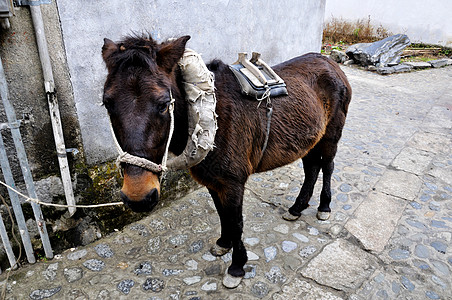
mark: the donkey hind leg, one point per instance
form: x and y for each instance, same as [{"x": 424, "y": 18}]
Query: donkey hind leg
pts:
[
  {"x": 328, "y": 154},
  {"x": 224, "y": 243},
  {"x": 311, "y": 166},
  {"x": 232, "y": 228}
]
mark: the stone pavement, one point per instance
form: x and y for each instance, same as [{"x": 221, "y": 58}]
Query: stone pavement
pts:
[{"x": 389, "y": 235}]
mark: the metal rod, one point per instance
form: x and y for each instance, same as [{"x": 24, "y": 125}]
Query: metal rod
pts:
[
  {"x": 15, "y": 202},
  {"x": 52, "y": 100},
  {"x": 7, "y": 245},
  {"x": 23, "y": 161}
]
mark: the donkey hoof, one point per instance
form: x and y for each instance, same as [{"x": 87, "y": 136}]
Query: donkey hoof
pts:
[
  {"x": 230, "y": 281},
  {"x": 218, "y": 250},
  {"x": 323, "y": 215},
  {"x": 289, "y": 217}
]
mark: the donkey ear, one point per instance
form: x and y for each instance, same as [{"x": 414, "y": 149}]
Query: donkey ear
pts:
[
  {"x": 170, "y": 53},
  {"x": 108, "y": 49}
]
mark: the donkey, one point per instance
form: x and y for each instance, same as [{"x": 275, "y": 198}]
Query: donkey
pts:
[{"x": 143, "y": 79}]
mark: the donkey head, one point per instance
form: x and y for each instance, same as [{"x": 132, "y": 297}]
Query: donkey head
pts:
[{"x": 137, "y": 95}]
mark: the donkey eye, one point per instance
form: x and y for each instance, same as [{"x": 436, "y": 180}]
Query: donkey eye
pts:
[
  {"x": 163, "y": 108},
  {"x": 107, "y": 101}
]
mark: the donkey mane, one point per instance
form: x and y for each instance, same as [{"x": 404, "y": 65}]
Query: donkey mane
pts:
[{"x": 137, "y": 51}]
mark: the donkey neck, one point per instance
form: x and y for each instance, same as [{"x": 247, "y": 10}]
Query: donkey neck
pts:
[{"x": 180, "y": 135}]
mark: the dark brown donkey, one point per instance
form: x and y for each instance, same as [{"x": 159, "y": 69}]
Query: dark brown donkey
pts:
[{"x": 142, "y": 78}]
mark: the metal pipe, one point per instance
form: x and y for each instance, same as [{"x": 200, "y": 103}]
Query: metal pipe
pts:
[
  {"x": 7, "y": 245},
  {"x": 52, "y": 100},
  {"x": 15, "y": 202},
  {"x": 23, "y": 161}
]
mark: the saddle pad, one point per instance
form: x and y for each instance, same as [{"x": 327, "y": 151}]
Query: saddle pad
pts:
[{"x": 252, "y": 86}]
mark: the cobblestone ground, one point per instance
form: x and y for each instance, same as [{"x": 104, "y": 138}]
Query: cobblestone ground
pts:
[{"x": 388, "y": 237}]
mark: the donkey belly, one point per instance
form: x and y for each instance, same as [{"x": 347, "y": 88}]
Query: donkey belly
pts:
[{"x": 294, "y": 132}]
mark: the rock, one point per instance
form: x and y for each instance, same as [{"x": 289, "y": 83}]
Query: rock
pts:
[
  {"x": 402, "y": 68},
  {"x": 385, "y": 70},
  {"x": 195, "y": 247},
  {"x": 171, "y": 272},
  {"x": 192, "y": 280},
  {"x": 418, "y": 64},
  {"x": 380, "y": 53},
  {"x": 213, "y": 270},
  {"x": 260, "y": 289},
  {"x": 50, "y": 273},
  {"x": 209, "y": 286},
  {"x": 144, "y": 268},
  {"x": 154, "y": 284},
  {"x": 44, "y": 293},
  {"x": 438, "y": 63},
  {"x": 250, "y": 271},
  {"x": 338, "y": 56},
  {"x": 349, "y": 62},
  {"x": 94, "y": 265},
  {"x": 289, "y": 246},
  {"x": 421, "y": 251},
  {"x": 275, "y": 276},
  {"x": 305, "y": 252},
  {"x": 73, "y": 274},
  {"x": 125, "y": 286},
  {"x": 104, "y": 251},
  {"x": 270, "y": 253},
  {"x": 372, "y": 68},
  {"x": 407, "y": 283},
  {"x": 439, "y": 246},
  {"x": 77, "y": 254}
]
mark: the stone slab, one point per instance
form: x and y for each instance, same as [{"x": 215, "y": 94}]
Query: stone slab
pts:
[
  {"x": 400, "y": 184},
  {"x": 341, "y": 265},
  {"x": 438, "y": 63},
  {"x": 402, "y": 68},
  {"x": 443, "y": 173},
  {"x": 431, "y": 142},
  {"x": 412, "y": 160},
  {"x": 418, "y": 64},
  {"x": 300, "y": 289},
  {"x": 375, "y": 220}
]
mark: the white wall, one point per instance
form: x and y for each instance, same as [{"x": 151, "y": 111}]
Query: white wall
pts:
[
  {"x": 423, "y": 21},
  {"x": 219, "y": 29}
]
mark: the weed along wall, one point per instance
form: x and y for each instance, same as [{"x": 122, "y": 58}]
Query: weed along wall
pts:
[{"x": 423, "y": 21}]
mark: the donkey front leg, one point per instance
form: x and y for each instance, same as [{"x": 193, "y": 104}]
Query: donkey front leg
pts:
[
  {"x": 224, "y": 244},
  {"x": 232, "y": 229}
]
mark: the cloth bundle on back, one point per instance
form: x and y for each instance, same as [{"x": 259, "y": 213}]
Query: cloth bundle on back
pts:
[{"x": 202, "y": 123}]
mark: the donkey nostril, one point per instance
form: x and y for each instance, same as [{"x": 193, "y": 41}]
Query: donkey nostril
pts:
[
  {"x": 144, "y": 205},
  {"x": 153, "y": 196}
]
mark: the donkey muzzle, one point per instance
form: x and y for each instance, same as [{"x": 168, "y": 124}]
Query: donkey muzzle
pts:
[
  {"x": 144, "y": 205},
  {"x": 140, "y": 192}
]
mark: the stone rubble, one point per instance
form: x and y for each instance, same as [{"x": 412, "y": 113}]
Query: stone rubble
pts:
[{"x": 388, "y": 236}]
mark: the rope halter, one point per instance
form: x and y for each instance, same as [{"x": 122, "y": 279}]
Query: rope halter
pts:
[{"x": 142, "y": 162}]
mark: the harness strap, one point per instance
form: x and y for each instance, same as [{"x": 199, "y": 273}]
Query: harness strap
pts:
[{"x": 269, "y": 120}]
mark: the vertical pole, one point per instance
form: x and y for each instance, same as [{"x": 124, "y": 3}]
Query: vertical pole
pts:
[
  {"x": 9, "y": 180},
  {"x": 52, "y": 100},
  {"x": 7, "y": 245},
  {"x": 23, "y": 161}
]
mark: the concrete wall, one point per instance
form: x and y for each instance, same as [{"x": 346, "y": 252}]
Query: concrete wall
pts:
[
  {"x": 219, "y": 29},
  {"x": 422, "y": 21},
  {"x": 26, "y": 92}
]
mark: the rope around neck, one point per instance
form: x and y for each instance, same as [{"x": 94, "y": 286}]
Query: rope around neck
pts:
[{"x": 141, "y": 161}]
